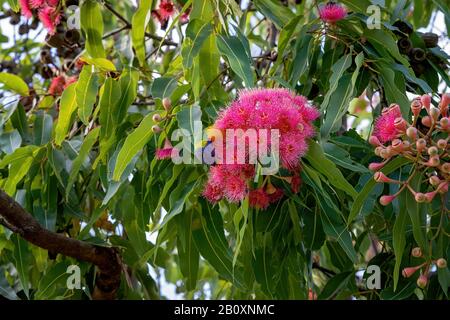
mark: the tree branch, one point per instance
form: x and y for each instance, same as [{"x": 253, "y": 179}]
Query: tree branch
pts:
[{"x": 19, "y": 221}]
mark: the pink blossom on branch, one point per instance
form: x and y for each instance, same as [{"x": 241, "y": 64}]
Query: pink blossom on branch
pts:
[
  {"x": 166, "y": 9},
  {"x": 25, "y": 8},
  {"x": 385, "y": 129},
  {"x": 332, "y": 12},
  {"x": 50, "y": 18}
]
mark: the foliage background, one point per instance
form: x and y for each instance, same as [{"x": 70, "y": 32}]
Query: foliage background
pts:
[{"x": 83, "y": 164}]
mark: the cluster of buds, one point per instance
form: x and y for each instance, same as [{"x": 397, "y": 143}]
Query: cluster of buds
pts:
[
  {"x": 166, "y": 151},
  {"x": 424, "y": 141},
  {"x": 425, "y": 268}
]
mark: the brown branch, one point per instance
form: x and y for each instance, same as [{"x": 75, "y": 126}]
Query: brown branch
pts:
[{"x": 19, "y": 221}]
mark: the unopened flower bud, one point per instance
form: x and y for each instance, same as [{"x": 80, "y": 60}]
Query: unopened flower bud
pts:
[
  {"x": 442, "y": 188},
  {"x": 156, "y": 118},
  {"x": 167, "y": 103},
  {"x": 442, "y": 144},
  {"x": 445, "y": 100},
  {"x": 378, "y": 151},
  {"x": 416, "y": 252},
  {"x": 426, "y": 101},
  {"x": 432, "y": 151},
  {"x": 385, "y": 200},
  {"x": 400, "y": 124},
  {"x": 397, "y": 145},
  {"x": 434, "y": 181},
  {"x": 444, "y": 122},
  {"x": 382, "y": 178},
  {"x": 434, "y": 161},
  {"x": 373, "y": 140},
  {"x": 445, "y": 167},
  {"x": 426, "y": 121},
  {"x": 394, "y": 107},
  {"x": 434, "y": 113},
  {"x": 406, "y": 145},
  {"x": 375, "y": 166},
  {"x": 441, "y": 263},
  {"x": 416, "y": 106},
  {"x": 421, "y": 144},
  {"x": 429, "y": 196},
  {"x": 422, "y": 281},
  {"x": 420, "y": 197},
  {"x": 156, "y": 129},
  {"x": 408, "y": 272},
  {"x": 270, "y": 189},
  {"x": 411, "y": 132},
  {"x": 385, "y": 153}
]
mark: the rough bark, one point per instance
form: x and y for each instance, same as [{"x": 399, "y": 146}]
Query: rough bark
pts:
[{"x": 19, "y": 221}]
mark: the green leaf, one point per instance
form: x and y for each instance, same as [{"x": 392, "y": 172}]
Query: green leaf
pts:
[
  {"x": 343, "y": 95},
  {"x": 398, "y": 237},
  {"x": 286, "y": 35},
  {"x": 342, "y": 158},
  {"x": 417, "y": 214},
  {"x": 134, "y": 143},
  {"x": 139, "y": 23},
  {"x": 67, "y": 109},
  {"x": 163, "y": 87},
  {"x": 319, "y": 161},
  {"x": 102, "y": 64},
  {"x": 110, "y": 95},
  {"x": 54, "y": 283},
  {"x": 392, "y": 82},
  {"x": 196, "y": 33},
  {"x": 10, "y": 141},
  {"x": 187, "y": 251},
  {"x": 22, "y": 262},
  {"x": 14, "y": 4},
  {"x": 18, "y": 155},
  {"x": 86, "y": 147},
  {"x": 43, "y": 126},
  {"x": 302, "y": 57},
  {"x": 128, "y": 88},
  {"x": 14, "y": 83},
  {"x": 368, "y": 187},
  {"x": 17, "y": 171},
  {"x": 335, "y": 285},
  {"x": 86, "y": 92},
  {"x": 92, "y": 24},
  {"x": 275, "y": 11},
  {"x": 240, "y": 62}
]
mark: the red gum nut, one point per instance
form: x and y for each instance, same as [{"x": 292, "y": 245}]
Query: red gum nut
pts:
[
  {"x": 421, "y": 144},
  {"x": 375, "y": 166},
  {"x": 422, "y": 281},
  {"x": 426, "y": 101},
  {"x": 380, "y": 177},
  {"x": 408, "y": 272},
  {"x": 416, "y": 106},
  {"x": 426, "y": 121},
  {"x": 374, "y": 141},
  {"x": 400, "y": 124},
  {"x": 385, "y": 200},
  {"x": 411, "y": 132}
]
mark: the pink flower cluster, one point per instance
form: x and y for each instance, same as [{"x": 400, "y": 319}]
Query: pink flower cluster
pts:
[
  {"x": 385, "y": 129},
  {"x": 48, "y": 12},
  {"x": 59, "y": 83},
  {"x": 165, "y": 10},
  {"x": 262, "y": 109},
  {"x": 332, "y": 12}
]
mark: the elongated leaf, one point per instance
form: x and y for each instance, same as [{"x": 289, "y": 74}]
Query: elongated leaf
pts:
[
  {"x": 43, "y": 126},
  {"x": 134, "y": 143},
  {"x": 197, "y": 32},
  {"x": 17, "y": 172},
  {"x": 86, "y": 92},
  {"x": 92, "y": 24},
  {"x": 86, "y": 147},
  {"x": 22, "y": 261},
  {"x": 139, "y": 23},
  {"x": 14, "y": 83},
  {"x": 128, "y": 88},
  {"x": 276, "y": 12},
  {"x": 54, "y": 282},
  {"x": 110, "y": 95},
  {"x": 399, "y": 238},
  {"x": 240, "y": 63},
  {"x": 163, "y": 87},
  {"x": 338, "y": 70},
  {"x": 67, "y": 109},
  {"x": 319, "y": 161},
  {"x": 334, "y": 285}
]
